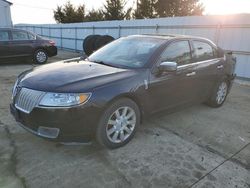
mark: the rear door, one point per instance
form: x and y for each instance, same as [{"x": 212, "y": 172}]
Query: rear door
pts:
[
  {"x": 171, "y": 89},
  {"x": 4, "y": 43},
  {"x": 208, "y": 66},
  {"x": 21, "y": 45}
]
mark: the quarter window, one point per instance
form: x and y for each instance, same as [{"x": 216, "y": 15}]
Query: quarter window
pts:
[
  {"x": 20, "y": 35},
  {"x": 203, "y": 51},
  {"x": 4, "y": 35},
  {"x": 178, "y": 52}
]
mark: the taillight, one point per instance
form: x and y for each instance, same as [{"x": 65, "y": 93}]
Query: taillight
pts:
[{"x": 52, "y": 42}]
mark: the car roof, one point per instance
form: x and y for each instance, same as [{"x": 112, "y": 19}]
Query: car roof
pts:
[
  {"x": 174, "y": 36},
  {"x": 171, "y": 36},
  {"x": 10, "y": 29},
  {"x": 14, "y": 29}
]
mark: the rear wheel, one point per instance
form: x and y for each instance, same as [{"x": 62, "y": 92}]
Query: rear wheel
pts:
[
  {"x": 40, "y": 56},
  {"x": 219, "y": 94},
  {"x": 118, "y": 123}
]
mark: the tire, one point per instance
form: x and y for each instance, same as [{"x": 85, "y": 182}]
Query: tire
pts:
[
  {"x": 219, "y": 94},
  {"x": 89, "y": 44},
  {"x": 40, "y": 56},
  {"x": 102, "y": 41},
  {"x": 118, "y": 132},
  {"x": 84, "y": 44}
]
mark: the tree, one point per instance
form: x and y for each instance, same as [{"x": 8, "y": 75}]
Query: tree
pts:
[
  {"x": 170, "y": 8},
  {"x": 115, "y": 10},
  {"x": 145, "y": 9},
  {"x": 69, "y": 14},
  {"x": 59, "y": 15},
  {"x": 94, "y": 15}
]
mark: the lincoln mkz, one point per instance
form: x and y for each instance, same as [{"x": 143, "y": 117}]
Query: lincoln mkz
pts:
[{"x": 106, "y": 96}]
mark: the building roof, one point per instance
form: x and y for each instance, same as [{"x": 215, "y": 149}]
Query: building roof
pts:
[{"x": 7, "y": 2}]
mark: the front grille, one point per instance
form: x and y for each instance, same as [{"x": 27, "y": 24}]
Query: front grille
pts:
[{"x": 27, "y": 99}]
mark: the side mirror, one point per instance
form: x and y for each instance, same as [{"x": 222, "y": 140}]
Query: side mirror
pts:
[{"x": 168, "y": 66}]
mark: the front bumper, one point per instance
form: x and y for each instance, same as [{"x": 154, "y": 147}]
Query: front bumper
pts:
[
  {"x": 51, "y": 50},
  {"x": 76, "y": 124}
]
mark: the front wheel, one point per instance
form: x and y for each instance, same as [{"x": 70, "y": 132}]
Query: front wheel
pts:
[
  {"x": 40, "y": 56},
  {"x": 118, "y": 123},
  {"x": 219, "y": 94}
]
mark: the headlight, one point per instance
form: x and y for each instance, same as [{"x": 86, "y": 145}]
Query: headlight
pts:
[
  {"x": 14, "y": 89},
  {"x": 64, "y": 99}
]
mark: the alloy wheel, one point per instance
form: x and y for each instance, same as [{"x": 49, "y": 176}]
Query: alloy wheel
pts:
[
  {"x": 121, "y": 124},
  {"x": 221, "y": 93},
  {"x": 41, "y": 56}
]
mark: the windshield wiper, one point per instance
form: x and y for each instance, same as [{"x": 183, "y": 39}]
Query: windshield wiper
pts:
[{"x": 100, "y": 62}]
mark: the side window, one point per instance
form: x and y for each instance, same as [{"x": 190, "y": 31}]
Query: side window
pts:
[
  {"x": 31, "y": 36},
  {"x": 178, "y": 52},
  {"x": 4, "y": 35},
  {"x": 203, "y": 51},
  {"x": 20, "y": 35}
]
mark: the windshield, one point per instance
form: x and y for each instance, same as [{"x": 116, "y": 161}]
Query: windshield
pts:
[{"x": 131, "y": 52}]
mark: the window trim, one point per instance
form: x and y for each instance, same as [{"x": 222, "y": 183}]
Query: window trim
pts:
[{"x": 198, "y": 63}]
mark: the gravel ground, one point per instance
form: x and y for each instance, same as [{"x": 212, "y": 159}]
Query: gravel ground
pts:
[{"x": 197, "y": 147}]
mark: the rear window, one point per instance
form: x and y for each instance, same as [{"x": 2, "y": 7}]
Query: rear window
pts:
[
  {"x": 203, "y": 51},
  {"x": 20, "y": 35},
  {"x": 4, "y": 35}
]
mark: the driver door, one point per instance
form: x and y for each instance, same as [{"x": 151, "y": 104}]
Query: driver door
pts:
[
  {"x": 172, "y": 89},
  {"x": 4, "y": 44}
]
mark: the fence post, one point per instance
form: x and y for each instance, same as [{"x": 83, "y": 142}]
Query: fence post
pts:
[
  {"x": 119, "y": 31},
  {"x": 75, "y": 39},
  {"x": 217, "y": 33},
  {"x": 156, "y": 28},
  {"x": 93, "y": 29},
  {"x": 61, "y": 37},
  {"x": 41, "y": 28},
  {"x": 49, "y": 32}
]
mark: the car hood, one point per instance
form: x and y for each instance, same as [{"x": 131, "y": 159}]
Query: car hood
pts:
[{"x": 72, "y": 76}]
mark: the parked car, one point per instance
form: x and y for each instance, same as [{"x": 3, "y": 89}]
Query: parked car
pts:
[
  {"x": 107, "y": 95},
  {"x": 16, "y": 43}
]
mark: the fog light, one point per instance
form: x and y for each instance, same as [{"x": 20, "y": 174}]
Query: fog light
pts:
[{"x": 48, "y": 132}]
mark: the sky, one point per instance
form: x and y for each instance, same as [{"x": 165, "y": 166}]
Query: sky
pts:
[{"x": 41, "y": 11}]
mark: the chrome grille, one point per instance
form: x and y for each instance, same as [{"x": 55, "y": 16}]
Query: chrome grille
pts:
[{"x": 27, "y": 99}]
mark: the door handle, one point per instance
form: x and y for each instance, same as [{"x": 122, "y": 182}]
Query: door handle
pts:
[
  {"x": 220, "y": 66},
  {"x": 191, "y": 74}
]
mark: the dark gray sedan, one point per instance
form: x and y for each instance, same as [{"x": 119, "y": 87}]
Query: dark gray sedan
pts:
[
  {"x": 106, "y": 95},
  {"x": 16, "y": 44}
]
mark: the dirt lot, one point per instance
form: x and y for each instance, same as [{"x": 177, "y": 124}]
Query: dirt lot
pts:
[{"x": 196, "y": 147}]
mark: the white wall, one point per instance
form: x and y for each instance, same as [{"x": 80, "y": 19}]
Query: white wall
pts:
[
  {"x": 5, "y": 15},
  {"x": 230, "y": 32}
]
